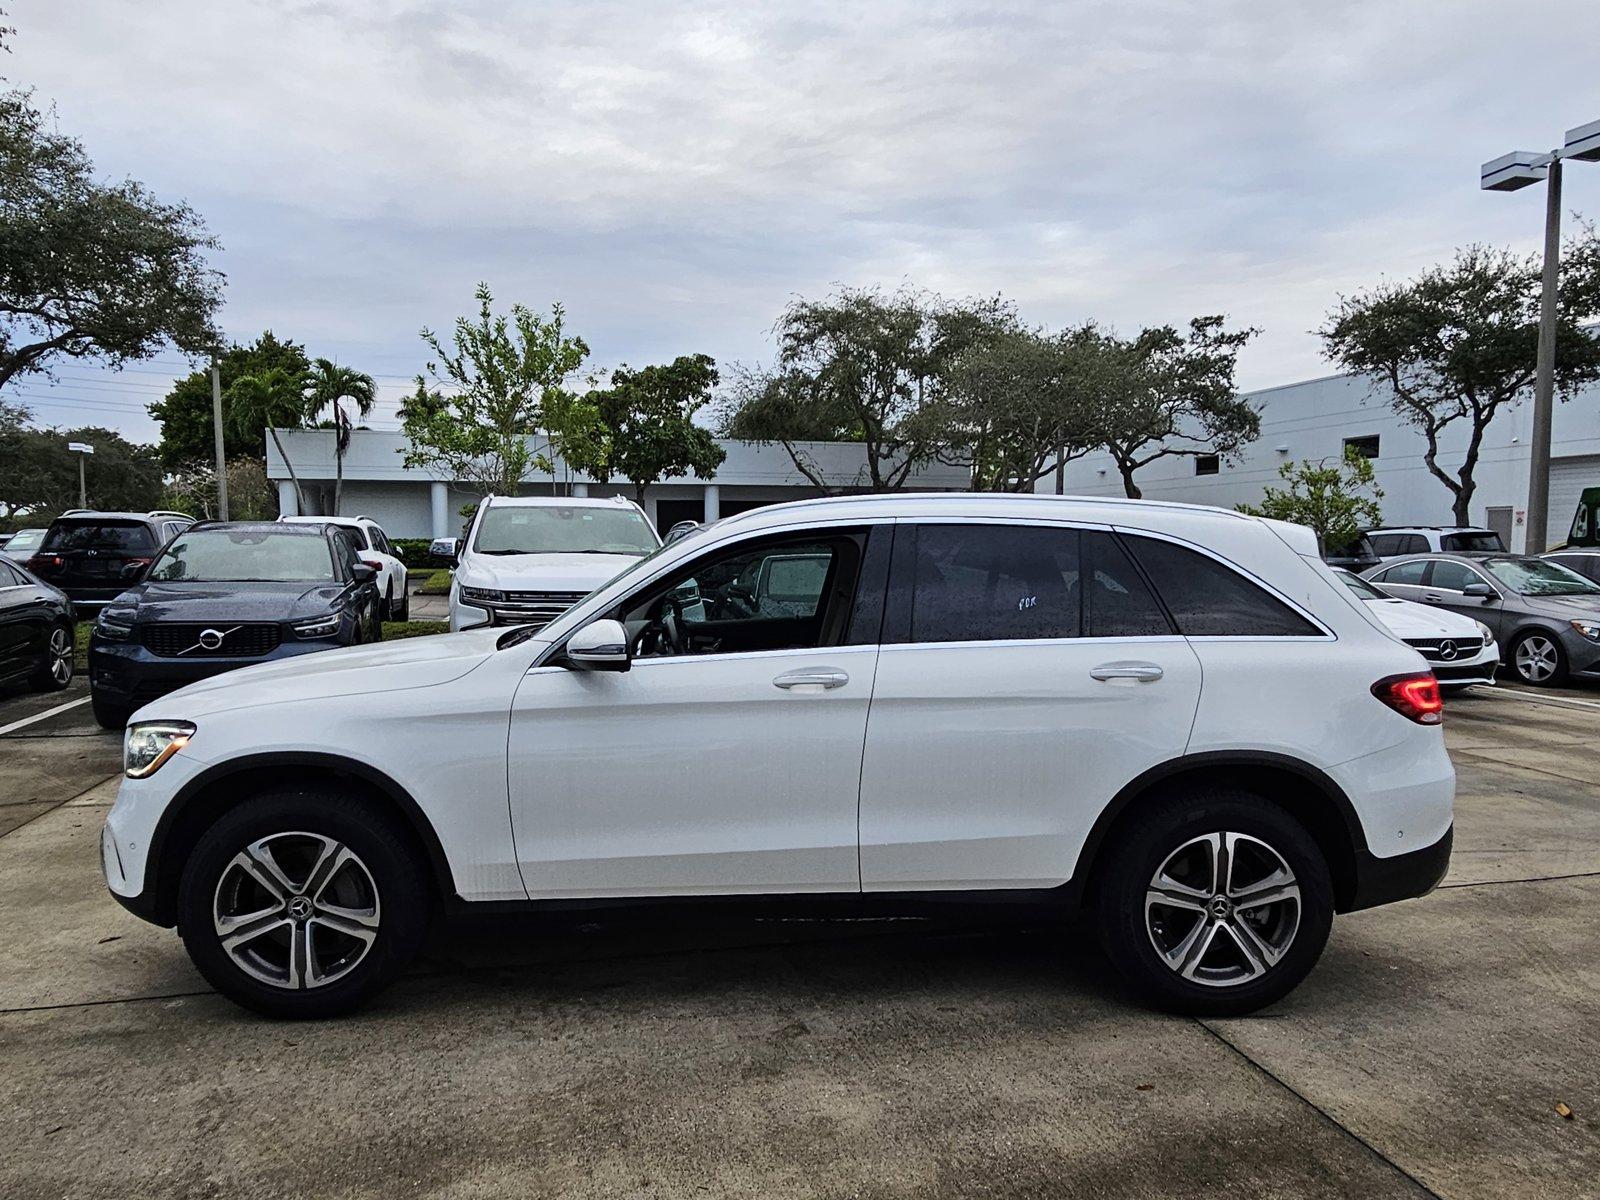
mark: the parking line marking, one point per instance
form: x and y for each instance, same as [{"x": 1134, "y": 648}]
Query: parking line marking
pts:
[
  {"x": 1536, "y": 697},
  {"x": 61, "y": 708}
]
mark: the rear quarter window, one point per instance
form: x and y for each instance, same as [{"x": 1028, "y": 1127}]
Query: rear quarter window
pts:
[{"x": 1208, "y": 599}]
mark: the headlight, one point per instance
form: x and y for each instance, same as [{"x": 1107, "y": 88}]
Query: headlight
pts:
[
  {"x": 1589, "y": 629},
  {"x": 148, "y": 744},
  {"x": 317, "y": 627},
  {"x": 111, "y": 631},
  {"x": 1485, "y": 633},
  {"x": 481, "y": 595}
]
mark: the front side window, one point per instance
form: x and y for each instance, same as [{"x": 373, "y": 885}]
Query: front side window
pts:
[
  {"x": 1453, "y": 576},
  {"x": 1539, "y": 577},
  {"x": 563, "y": 529},
  {"x": 1208, "y": 599},
  {"x": 245, "y": 556},
  {"x": 995, "y": 583},
  {"x": 115, "y": 537},
  {"x": 784, "y": 595}
]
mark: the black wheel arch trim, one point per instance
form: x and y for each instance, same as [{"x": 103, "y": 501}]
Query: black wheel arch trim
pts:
[{"x": 154, "y": 906}]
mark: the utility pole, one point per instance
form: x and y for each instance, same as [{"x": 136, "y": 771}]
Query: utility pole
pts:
[
  {"x": 216, "y": 423},
  {"x": 1545, "y": 377}
]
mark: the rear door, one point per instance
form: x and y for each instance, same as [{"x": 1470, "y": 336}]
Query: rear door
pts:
[{"x": 1028, "y": 672}]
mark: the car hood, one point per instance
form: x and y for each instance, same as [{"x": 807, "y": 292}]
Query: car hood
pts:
[
  {"x": 351, "y": 671},
  {"x": 213, "y": 602},
  {"x": 1405, "y": 619},
  {"x": 541, "y": 572}
]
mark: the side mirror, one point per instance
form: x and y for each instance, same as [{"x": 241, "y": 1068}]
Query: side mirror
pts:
[
  {"x": 363, "y": 573},
  {"x": 132, "y": 570},
  {"x": 1482, "y": 590},
  {"x": 600, "y": 646}
]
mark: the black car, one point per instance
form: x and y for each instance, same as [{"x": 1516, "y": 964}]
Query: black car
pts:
[
  {"x": 92, "y": 556},
  {"x": 223, "y": 595},
  {"x": 35, "y": 631}
]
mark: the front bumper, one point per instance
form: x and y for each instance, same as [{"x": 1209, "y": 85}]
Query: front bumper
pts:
[
  {"x": 1479, "y": 669},
  {"x": 1403, "y": 877},
  {"x": 127, "y": 675},
  {"x": 129, "y": 834}
]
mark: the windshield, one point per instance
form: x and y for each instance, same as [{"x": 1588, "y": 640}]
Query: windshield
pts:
[
  {"x": 560, "y": 529},
  {"x": 1361, "y": 587},
  {"x": 245, "y": 556},
  {"x": 126, "y": 537},
  {"x": 1484, "y": 542},
  {"x": 1539, "y": 577},
  {"x": 26, "y": 539}
]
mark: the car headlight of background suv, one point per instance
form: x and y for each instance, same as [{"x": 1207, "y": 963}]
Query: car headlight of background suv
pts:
[
  {"x": 1589, "y": 629},
  {"x": 317, "y": 627},
  {"x": 474, "y": 595},
  {"x": 1485, "y": 633},
  {"x": 112, "y": 630},
  {"x": 148, "y": 744}
]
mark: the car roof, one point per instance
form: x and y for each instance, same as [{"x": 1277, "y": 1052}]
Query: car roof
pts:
[
  {"x": 1428, "y": 529},
  {"x": 356, "y": 522},
  {"x": 560, "y": 502},
  {"x": 296, "y": 530}
]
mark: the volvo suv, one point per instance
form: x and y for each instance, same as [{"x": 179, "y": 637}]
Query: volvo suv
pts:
[{"x": 1175, "y": 718}]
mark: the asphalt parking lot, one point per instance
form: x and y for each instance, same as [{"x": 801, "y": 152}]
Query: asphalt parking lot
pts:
[{"x": 1426, "y": 1055}]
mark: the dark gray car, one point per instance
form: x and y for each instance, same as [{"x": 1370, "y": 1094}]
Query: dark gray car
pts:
[{"x": 1545, "y": 617}]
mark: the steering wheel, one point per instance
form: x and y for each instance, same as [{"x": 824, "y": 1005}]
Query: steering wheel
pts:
[{"x": 660, "y": 637}]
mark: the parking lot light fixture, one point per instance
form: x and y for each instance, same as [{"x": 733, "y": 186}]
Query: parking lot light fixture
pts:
[
  {"x": 1510, "y": 173},
  {"x": 82, "y": 450}
]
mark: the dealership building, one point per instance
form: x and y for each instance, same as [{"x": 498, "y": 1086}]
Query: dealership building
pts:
[{"x": 1314, "y": 420}]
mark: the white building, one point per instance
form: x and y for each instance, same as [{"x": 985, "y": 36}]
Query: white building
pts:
[
  {"x": 410, "y": 503},
  {"x": 1314, "y": 420}
]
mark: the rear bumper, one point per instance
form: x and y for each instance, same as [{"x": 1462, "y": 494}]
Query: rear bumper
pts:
[{"x": 1403, "y": 877}]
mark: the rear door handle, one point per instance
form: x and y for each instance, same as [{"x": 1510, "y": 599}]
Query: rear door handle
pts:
[
  {"x": 1144, "y": 672},
  {"x": 817, "y": 677}
]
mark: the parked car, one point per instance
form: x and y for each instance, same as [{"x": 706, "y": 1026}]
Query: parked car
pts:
[
  {"x": 1545, "y": 617},
  {"x": 442, "y": 551},
  {"x": 224, "y": 595},
  {"x": 526, "y": 560},
  {"x": 36, "y": 631},
  {"x": 1173, "y": 716},
  {"x": 21, "y": 545},
  {"x": 682, "y": 530},
  {"x": 1355, "y": 555},
  {"x": 1585, "y": 561},
  {"x": 92, "y": 556},
  {"x": 1400, "y": 540},
  {"x": 1461, "y": 650},
  {"x": 372, "y": 544}
]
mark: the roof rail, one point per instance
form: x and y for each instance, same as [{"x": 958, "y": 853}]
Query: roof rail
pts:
[{"x": 168, "y": 512}]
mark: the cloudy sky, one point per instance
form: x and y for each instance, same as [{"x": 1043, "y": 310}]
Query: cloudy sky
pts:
[{"x": 673, "y": 173}]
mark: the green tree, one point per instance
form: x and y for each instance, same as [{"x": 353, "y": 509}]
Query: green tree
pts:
[
  {"x": 39, "y": 475},
  {"x": 1337, "y": 499},
  {"x": 642, "y": 427},
  {"x": 328, "y": 387},
  {"x": 1457, "y": 344},
  {"x": 91, "y": 270},
  {"x": 273, "y": 399},
  {"x": 1165, "y": 393},
  {"x": 251, "y": 496},
  {"x": 861, "y": 366},
  {"x": 476, "y": 411},
  {"x": 185, "y": 412}
]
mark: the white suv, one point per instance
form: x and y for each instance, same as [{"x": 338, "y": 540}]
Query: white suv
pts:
[
  {"x": 1175, "y": 717},
  {"x": 394, "y": 602},
  {"x": 525, "y": 560},
  {"x": 1399, "y": 540}
]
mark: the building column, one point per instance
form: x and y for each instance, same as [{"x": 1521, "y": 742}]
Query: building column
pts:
[
  {"x": 439, "y": 500},
  {"x": 580, "y": 489},
  {"x": 287, "y": 505},
  {"x": 650, "y": 509},
  {"x": 713, "y": 503}
]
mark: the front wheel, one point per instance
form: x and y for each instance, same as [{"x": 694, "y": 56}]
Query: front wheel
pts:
[
  {"x": 1537, "y": 658},
  {"x": 108, "y": 715},
  {"x": 302, "y": 903},
  {"x": 1214, "y": 903},
  {"x": 55, "y": 672}
]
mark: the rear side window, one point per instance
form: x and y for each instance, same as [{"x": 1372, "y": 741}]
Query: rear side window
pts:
[
  {"x": 976, "y": 583},
  {"x": 1407, "y": 572},
  {"x": 1208, "y": 599},
  {"x": 1116, "y": 600},
  {"x": 10, "y": 578},
  {"x": 116, "y": 537},
  {"x": 1386, "y": 543}
]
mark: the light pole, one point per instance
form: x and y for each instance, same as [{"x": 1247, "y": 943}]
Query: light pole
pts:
[
  {"x": 1509, "y": 173},
  {"x": 82, "y": 450}
]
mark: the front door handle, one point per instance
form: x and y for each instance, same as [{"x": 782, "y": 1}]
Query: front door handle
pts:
[
  {"x": 1433, "y": 597},
  {"x": 1144, "y": 672},
  {"x": 816, "y": 677}
]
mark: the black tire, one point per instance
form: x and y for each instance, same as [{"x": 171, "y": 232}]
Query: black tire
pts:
[
  {"x": 385, "y": 606},
  {"x": 1146, "y": 842},
  {"x": 296, "y": 818},
  {"x": 49, "y": 677},
  {"x": 376, "y": 634},
  {"x": 109, "y": 715},
  {"x": 403, "y": 613},
  {"x": 1527, "y": 672}
]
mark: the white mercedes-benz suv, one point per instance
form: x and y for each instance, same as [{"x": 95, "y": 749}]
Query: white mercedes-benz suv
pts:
[
  {"x": 527, "y": 559},
  {"x": 1176, "y": 718}
]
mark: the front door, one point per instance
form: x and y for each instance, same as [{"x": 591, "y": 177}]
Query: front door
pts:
[
  {"x": 727, "y": 759},
  {"x": 1027, "y": 674},
  {"x": 1446, "y": 589}
]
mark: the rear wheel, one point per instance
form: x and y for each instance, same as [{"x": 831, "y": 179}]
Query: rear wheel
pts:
[
  {"x": 302, "y": 903},
  {"x": 1537, "y": 658},
  {"x": 55, "y": 672},
  {"x": 403, "y": 612},
  {"x": 1214, "y": 903}
]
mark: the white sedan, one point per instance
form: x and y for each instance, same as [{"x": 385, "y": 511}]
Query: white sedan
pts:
[{"x": 1461, "y": 651}]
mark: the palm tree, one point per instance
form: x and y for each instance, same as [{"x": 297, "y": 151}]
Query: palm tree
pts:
[
  {"x": 274, "y": 398},
  {"x": 327, "y": 387}
]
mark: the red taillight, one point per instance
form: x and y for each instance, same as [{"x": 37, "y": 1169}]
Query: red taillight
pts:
[
  {"x": 1414, "y": 696},
  {"x": 373, "y": 563},
  {"x": 44, "y": 562}
]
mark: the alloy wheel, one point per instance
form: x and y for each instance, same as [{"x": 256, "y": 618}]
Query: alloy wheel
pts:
[
  {"x": 1537, "y": 658},
  {"x": 1222, "y": 909},
  {"x": 296, "y": 910},
  {"x": 60, "y": 656}
]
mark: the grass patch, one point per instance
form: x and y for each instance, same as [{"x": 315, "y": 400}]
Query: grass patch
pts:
[
  {"x": 438, "y": 584},
  {"x": 407, "y": 629},
  {"x": 80, "y": 654}
]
